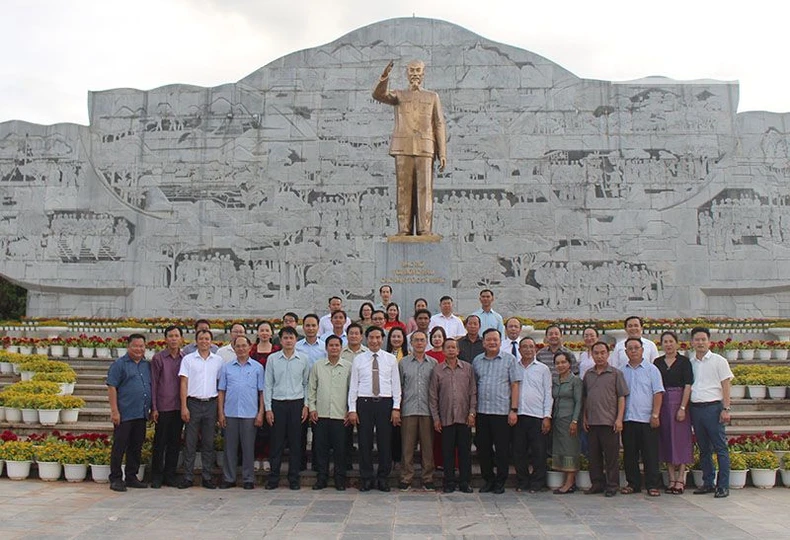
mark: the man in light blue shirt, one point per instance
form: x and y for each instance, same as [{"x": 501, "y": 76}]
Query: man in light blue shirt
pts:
[
  {"x": 488, "y": 317},
  {"x": 285, "y": 399},
  {"x": 313, "y": 348},
  {"x": 498, "y": 381},
  {"x": 640, "y": 426},
  {"x": 240, "y": 389}
]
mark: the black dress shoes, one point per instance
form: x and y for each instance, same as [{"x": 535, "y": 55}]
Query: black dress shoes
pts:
[
  {"x": 133, "y": 482},
  {"x": 366, "y": 485},
  {"x": 227, "y": 485},
  {"x": 498, "y": 490},
  {"x": 488, "y": 487},
  {"x": 721, "y": 493},
  {"x": 384, "y": 486},
  {"x": 208, "y": 484},
  {"x": 249, "y": 485},
  {"x": 118, "y": 485},
  {"x": 465, "y": 488},
  {"x": 704, "y": 490}
]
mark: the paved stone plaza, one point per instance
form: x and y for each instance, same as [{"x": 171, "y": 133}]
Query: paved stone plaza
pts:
[{"x": 34, "y": 509}]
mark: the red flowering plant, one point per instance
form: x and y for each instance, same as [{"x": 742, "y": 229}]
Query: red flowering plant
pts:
[
  {"x": 8, "y": 435},
  {"x": 156, "y": 344}
]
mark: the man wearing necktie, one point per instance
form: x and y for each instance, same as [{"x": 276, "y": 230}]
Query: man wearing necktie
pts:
[
  {"x": 512, "y": 338},
  {"x": 374, "y": 398}
]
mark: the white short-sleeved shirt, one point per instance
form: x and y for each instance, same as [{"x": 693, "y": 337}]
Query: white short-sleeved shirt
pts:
[
  {"x": 202, "y": 375},
  {"x": 708, "y": 375}
]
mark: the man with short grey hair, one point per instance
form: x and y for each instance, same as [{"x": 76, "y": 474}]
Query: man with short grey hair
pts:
[{"x": 416, "y": 426}]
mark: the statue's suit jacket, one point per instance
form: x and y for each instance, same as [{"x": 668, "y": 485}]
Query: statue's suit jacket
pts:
[{"x": 419, "y": 122}]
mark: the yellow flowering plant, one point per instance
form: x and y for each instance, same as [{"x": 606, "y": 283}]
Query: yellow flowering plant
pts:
[{"x": 16, "y": 451}]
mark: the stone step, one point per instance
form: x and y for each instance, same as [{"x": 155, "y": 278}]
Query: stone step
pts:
[
  {"x": 90, "y": 389},
  {"x": 743, "y": 405},
  {"x": 760, "y": 418}
]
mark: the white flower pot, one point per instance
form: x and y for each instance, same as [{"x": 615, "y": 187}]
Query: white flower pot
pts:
[
  {"x": 49, "y": 472},
  {"x": 42, "y": 350},
  {"x": 2, "y": 466},
  {"x": 764, "y": 478},
  {"x": 2, "y": 414},
  {"x": 731, "y": 355},
  {"x": 697, "y": 475},
  {"x": 30, "y": 416},
  {"x": 69, "y": 416},
  {"x": 25, "y": 350},
  {"x": 6, "y": 368},
  {"x": 777, "y": 392},
  {"x": 27, "y": 375},
  {"x": 120, "y": 351},
  {"x": 48, "y": 417},
  {"x": 781, "y": 354},
  {"x": 747, "y": 354},
  {"x": 18, "y": 470},
  {"x": 103, "y": 352},
  {"x": 785, "y": 474},
  {"x": 87, "y": 352},
  {"x": 756, "y": 391},
  {"x": 583, "y": 480},
  {"x": 75, "y": 472},
  {"x": 554, "y": 479},
  {"x": 12, "y": 348},
  {"x": 73, "y": 352},
  {"x": 764, "y": 354},
  {"x": 738, "y": 391},
  {"x": 100, "y": 473},
  {"x": 623, "y": 480},
  {"x": 149, "y": 354},
  {"x": 15, "y": 368},
  {"x": 57, "y": 351},
  {"x": 13, "y": 415},
  {"x": 738, "y": 478},
  {"x": 140, "y": 472}
]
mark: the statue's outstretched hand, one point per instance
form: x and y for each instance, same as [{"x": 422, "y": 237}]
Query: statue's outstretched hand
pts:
[{"x": 388, "y": 69}]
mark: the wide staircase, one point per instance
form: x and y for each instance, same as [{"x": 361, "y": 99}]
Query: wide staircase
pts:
[{"x": 749, "y": 416}]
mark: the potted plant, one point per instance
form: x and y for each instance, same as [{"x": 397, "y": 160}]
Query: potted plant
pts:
[
  {"x": 696, "y": 468},
  {"x": 781, "y": 350},
  {"x": 48, "y": 407},
  {"x": 583, "y": 475},
  {"x": 75, "y": 463},
  {"x": 755, "y": 383},
  {"x": 73, "y": 347},
  {"x": 66, "y": 380},
  {"x": 48, "y": 456},
  {"x": 18, "y": 456},
  {"x": 763, "y": 349},
  {"x": 554, "y": 479},
  {"x": 70, "y": 408},
  {"x": 13, "y": 407},
  {"x": 784, "y": 472},
  {"x": 738, "y": 470},
  {"x": 57, "y": 346},
  {"x": 746, "y": 351},
  {"x": 737, "y": 390},
  {"x": 763, "y": 466},
  {"x": 103, "y": 347},
  {"x": 731, "y": 349},
  {"x": 29, "y": 403},
  {"x": 99, "y": 457},
  {"x": 777, "y": 384}
]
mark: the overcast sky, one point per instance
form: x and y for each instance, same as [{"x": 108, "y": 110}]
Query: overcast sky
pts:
[{"x": 54, "y": 51}]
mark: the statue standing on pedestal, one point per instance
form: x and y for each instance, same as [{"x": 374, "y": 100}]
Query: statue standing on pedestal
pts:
[{"x": 417, "y": 139}]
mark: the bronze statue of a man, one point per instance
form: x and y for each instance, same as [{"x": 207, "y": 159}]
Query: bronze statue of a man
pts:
[{"x": 417, "y": 139}]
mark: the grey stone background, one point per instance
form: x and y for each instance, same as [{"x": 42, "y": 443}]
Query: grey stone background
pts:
[{"x": 567, "y": 196}]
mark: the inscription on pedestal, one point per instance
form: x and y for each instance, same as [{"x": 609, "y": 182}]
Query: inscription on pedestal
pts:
[{"x": 414, "y": 270}]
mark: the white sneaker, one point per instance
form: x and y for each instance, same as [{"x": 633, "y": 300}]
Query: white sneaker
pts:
[
  {"x": 256, "y": 465},
  {"x": 267, "y": 467}
]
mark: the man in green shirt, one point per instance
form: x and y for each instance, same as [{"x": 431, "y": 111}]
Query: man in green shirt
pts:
[{"x": 327, "y": 399}]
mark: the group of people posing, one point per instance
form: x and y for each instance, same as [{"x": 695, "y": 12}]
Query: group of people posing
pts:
[{"x": 435, "y": 381}]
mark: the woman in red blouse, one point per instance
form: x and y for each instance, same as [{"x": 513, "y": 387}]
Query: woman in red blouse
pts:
[
  {"x": 260, "y": 353},
  {"x": 393, "y": 318}
]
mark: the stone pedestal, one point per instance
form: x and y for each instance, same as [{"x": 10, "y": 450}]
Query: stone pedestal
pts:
[{"x": 414, "y": 269}]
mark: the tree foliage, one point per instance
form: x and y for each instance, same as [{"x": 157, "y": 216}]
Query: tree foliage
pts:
[{"x": 13, "y": 300}]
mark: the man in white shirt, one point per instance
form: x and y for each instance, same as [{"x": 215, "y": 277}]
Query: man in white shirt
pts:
[
  {"x": 453, "y": 325},
  {"x": 226, "y": 351},
  {"x": 512, "y": 338},
  {"x": 534, "y": 419},
  {"x": 633, "y": 329},
  {"x": 338, "y": 319},
  {"x": 325, "y": 323},
  {"x": 710, "y": 412},
  {"x": 488, "y": 317},
  {"x": 199, "y": 373},
  {"x": 374, "y": 397}
]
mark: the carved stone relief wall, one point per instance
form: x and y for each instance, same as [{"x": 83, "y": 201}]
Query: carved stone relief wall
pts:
[{"x": 568, "y": 197}]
